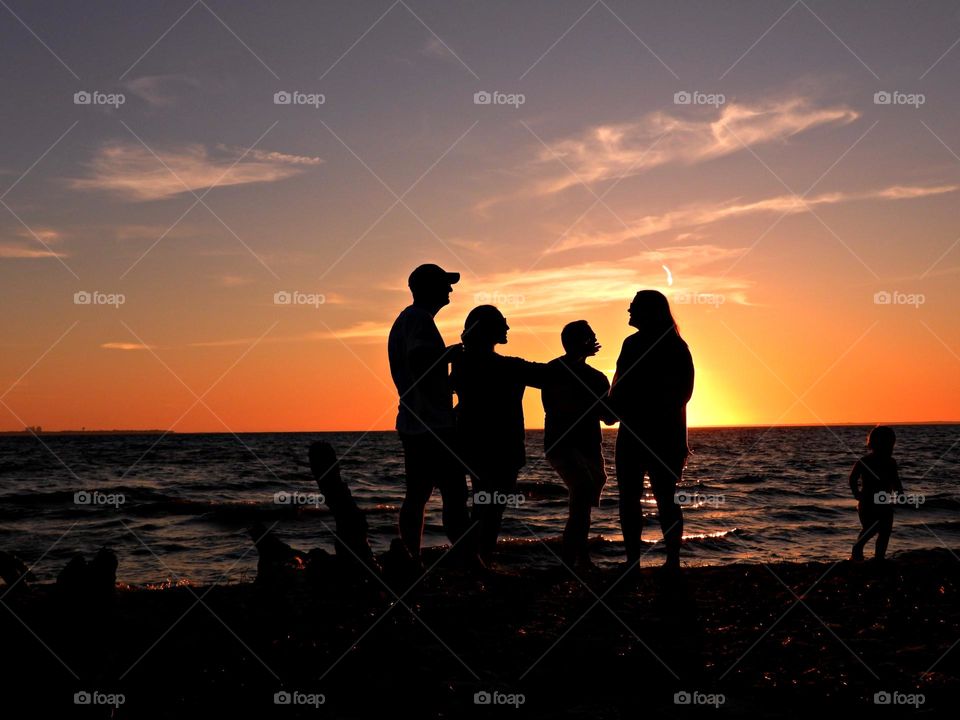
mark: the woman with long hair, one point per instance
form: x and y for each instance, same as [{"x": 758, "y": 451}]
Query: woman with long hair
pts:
[{"x": 649, "y": 394}]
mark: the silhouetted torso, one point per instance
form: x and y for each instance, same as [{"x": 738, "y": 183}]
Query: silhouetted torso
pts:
[
  {"x": 574, "y": 403},
  {"x": 489, "y": 411},
  {"x": 877, "y": 473},
  {"x": 426, "y": 400},
  {"x": 653, "y": 383}
]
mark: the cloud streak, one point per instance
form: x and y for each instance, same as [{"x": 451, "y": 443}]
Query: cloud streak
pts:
[
  {"x": 537, "y": 300},
  {"x": 160, "y": 90},
  {"x": 20, "y": 252},
  {"x": 700, "y": 215},
  {"x": 611, "y": 151},
  {"x": 125, "y": 346},
  {"x": 131, "y": 171}
]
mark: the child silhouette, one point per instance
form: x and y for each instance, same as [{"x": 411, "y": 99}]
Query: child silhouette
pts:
[{"x": 875, "y": 483}]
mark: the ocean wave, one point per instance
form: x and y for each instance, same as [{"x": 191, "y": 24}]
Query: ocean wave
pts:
[
  {"x": 802, "y": 513},
  {"x": 938, "y": 526},
  {"x": 720, "y": 538},
  {"x": 747, "y": 479},
  {"x": 941, "y": 501},
  {"x": 59, "y": 497}
]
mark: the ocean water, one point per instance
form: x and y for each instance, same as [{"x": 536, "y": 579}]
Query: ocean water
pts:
[{"x": 754, "y": 494}]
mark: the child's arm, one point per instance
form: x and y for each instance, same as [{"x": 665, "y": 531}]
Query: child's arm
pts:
[
  {"x": 897, "y": 485},
  {"x": 855, "y": 476}
]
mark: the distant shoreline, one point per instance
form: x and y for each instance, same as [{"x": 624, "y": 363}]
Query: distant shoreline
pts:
[{"x": 28, "y": 433}]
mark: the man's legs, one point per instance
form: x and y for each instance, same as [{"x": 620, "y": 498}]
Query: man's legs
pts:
[
  {"x": 452, "y": 481},
  {"x": 420, "y": 469}
]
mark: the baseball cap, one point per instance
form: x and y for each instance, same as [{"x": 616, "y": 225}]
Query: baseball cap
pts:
[{"x": 430, "y": 275}]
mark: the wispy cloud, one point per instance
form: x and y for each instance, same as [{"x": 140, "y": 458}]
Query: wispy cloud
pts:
[
  {"x": 18, "y": 251},
  {"x": 35, "y": 244},
  {"x": 541, "y": 300},
  {"x": 125, "y": 346},
  {"x": 700, "y": 215},
  {"x": 231, "y": 281},
  {"x": 160, "y": 90},
  {"x": 434, "y": 48},
  {"x": 133, "y": 231},
  {"x": 46, "y": 234},
  {"x": 131, "y": 171},
  {"x": 538, "y": 300},
  {"x": 610, "y": 151}
]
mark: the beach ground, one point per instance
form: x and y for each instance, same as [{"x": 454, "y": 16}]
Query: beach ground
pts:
[{"x": 744, "y": 640}]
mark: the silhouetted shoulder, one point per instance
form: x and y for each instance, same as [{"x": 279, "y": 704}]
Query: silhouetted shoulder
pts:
[
  {"x": 631, "y": 341},
  {"x": 597, "y": 378}
]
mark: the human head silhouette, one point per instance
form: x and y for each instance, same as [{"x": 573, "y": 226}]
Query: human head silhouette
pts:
[
  {"x": 484, "y": 327},
  {"x": 882, "y": 439},
  {"x": 431, "y": 286},
  {"x": 579, "y": 340},
  {"x": 650, "y": 314}
]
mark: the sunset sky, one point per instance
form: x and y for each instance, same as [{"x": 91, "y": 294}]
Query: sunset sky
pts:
[{"x": 781, "y": 201}]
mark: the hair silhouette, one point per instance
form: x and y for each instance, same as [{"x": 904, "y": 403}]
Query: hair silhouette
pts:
[
  {"x": 575, "y": 336},
  {"x": 485, "y": 326},
  {"x": 650, "y": 314},
  {"x": 882, "y": 439}
]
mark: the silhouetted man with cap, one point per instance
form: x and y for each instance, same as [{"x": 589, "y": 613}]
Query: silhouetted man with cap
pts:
[{"x": 418, "y": 363}]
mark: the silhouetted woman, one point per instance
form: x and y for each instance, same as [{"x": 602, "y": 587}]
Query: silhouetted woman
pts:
[
  {"x": 489, "y": 412},
  {"x": 650, "y": 390}
]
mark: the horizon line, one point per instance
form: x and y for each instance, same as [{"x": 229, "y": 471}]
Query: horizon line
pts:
[{"x": 158, "y": 431}]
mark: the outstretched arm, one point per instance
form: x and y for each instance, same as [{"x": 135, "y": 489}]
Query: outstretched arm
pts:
[{"x": 533, "y": 374}]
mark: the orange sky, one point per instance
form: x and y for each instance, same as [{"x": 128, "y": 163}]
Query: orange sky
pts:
[{"x": 779, "y": 212}]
